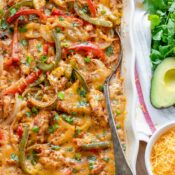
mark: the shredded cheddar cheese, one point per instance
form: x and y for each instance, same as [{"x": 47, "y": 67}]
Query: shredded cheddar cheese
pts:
[{"x": 163, "y": 154}]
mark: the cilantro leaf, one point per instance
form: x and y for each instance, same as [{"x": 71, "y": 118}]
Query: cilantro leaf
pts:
[{"x": 154, "y": 5}]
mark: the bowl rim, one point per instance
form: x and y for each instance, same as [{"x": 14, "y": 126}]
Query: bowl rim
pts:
[{"x": 151, "y": 142}]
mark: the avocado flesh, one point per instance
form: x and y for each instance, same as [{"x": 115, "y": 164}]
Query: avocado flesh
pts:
[{"x": 163, "y": 84}]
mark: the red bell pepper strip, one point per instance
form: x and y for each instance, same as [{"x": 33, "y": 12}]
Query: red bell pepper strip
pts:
[
  {"x": 11, "y": 2},
  {"x": 89, "y": 47},
  {"x": 15, "y": 42},
  {"x": 92, "y": 8},
  {"x": 46, "y": 48},
  {"x": 1, "y": 137},
  {"x": 26, "y": 12},
  {"x": 20, "y": 86},
  {"x": 68, "y": 172},
  {"x": 14, "y": 47},
  {"x": 20, "y": 131},
  {"x": 57, "y": 12},
  {"x": 1, "y": 134}
]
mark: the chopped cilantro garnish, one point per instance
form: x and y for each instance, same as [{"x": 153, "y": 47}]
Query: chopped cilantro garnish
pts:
[
  {"x": 85, "y": 9},
  {"x": 75, "y": 24},
  {"x": 82, "y": 92},
  {"x": 106, "y": 159},
  {"x": 56, "y": 117},
  {"x": 11, "y": 30},
  {"x": 23, "y": 29},
  {"x": 20, "y": 97},
  {"x": 82, "y": 103},
  {"x": 39, "y": 48},
  {"x": 58, "y": 30},
  {"x": 24, "y": 42},
  {"x": 74, "y": 170},
  {"x": 77, "y": 156},
  {"x": 32, "y": 17},
  {"x": 68, "y": 119},
  {"x": 4, "y": 24},
  {"x": 101, "y": 88},
  {"x": 55, "y": 147},
  {"x": 44, "y": 58},
  {"x": 109, "y": 51},
  {"x": 35, "y": 129},
  {"x": 103, "y": 12},
  {"x": 91, "y": 165},
  {"x": 14, "y": 157},
  {"x": 28, "y": 114},
  {"x": 77, "y": 132},
  {"x": 69, "y": 149},
  {"x": 61, "y": 18},
  {"x": 53, "y": 128},
  {"x": 34, "y": 110},
  {"x": 118, "y": 126},
  {"x": 34, "y": 157},
  {"x": 118, "y": 112},
  {"x": 61, "y": 95},
  {"x": 12, "y": 11},
  {"x": 74, "y": 113},
  {"x": 1, "y": 12},
  {"x": 92, "y": 158},
  {"x": 97, "y": 97},
  {"x": 29, "y": 60},
  {"x": 87, "y": 59}
]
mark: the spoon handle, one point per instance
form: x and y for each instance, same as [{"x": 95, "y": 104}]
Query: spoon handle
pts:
[{"x": 121, "y": 165}]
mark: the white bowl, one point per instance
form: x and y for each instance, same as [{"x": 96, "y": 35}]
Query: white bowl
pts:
[{"x": 152, "y": 141}]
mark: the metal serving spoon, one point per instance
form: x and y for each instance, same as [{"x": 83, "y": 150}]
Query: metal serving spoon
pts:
[{"x": 121, "y": 165}]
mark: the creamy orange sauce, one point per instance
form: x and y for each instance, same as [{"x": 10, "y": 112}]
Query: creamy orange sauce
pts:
[{"x": 52, "y": 107}]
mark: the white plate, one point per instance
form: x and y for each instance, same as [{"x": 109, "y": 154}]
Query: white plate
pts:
[{"x": 128, "y": 67}]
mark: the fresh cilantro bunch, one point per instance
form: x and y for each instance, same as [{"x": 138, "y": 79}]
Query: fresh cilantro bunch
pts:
[{"x": 162, "y": 17}]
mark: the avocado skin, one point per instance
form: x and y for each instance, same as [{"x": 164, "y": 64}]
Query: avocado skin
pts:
[{"x": 162, "y": 94}]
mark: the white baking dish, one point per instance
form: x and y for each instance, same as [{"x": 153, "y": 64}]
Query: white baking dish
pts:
[{"x": 128, "y": 67}]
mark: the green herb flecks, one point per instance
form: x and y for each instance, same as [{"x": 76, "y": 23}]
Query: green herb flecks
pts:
[
  {"x": 109, "y": 51},
  {"x": 24, "y": 42},
  {"x": 3, "y": 24},
  {"x": 22, "y": 29},
  {"x": 12, "y": 11},
  {"x": 68, "y": 119},
  {"x": 61, "y": 95},
  {"x": 53, "y": 128},
  {"x": 14, "y": 157}
]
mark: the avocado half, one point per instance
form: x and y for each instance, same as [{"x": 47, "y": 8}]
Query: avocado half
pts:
[{"x": 163, "y": 84}]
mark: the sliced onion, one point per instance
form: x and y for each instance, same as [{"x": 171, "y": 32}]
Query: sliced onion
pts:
[
  {"x": 17, "y": 105},
  {"x": 1, "y": 64},
  {"x": 41, "y": 104},
  {"x": 104, "y": 45},
  {"x": 99, "y": 63}
]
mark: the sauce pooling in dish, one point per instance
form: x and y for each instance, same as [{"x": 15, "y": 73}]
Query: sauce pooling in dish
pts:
[{"x": 54, "y": 58}]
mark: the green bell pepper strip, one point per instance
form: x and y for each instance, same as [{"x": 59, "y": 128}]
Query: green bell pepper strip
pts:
[
  {"x": 39, "y": 81},
  {"x": 22, "y": 147},
  {"x": 95, "y": 21},
  {"x": 17, "y": 6},
  {"x": 95, "y": 145},
  {"x": 81, "y": 79},
  {"x": 47, "y": 67},
  {"x": 28, "y": 3}
]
